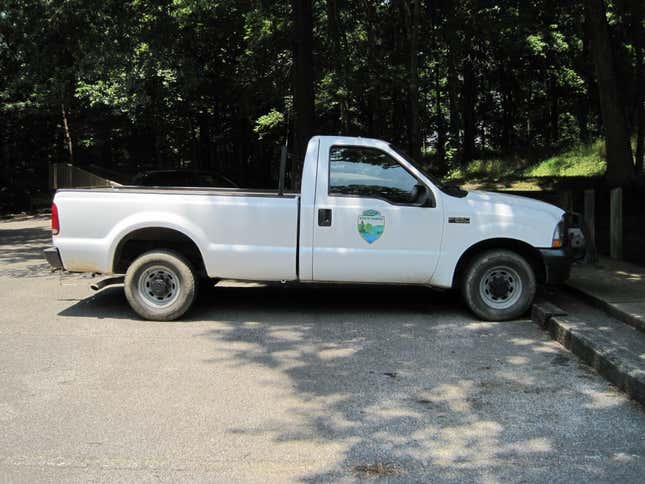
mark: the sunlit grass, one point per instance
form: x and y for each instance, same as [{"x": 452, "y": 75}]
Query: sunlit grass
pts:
[{"x": 582, "y": 160}]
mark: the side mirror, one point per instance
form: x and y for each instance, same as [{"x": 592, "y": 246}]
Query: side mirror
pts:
[{"x": 422, "y": 196}]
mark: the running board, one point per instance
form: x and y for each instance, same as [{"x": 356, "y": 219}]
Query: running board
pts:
[{"x": 108, "y": 281}]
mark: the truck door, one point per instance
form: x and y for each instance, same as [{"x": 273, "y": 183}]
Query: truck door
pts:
[{"x": 375, "y": 219}]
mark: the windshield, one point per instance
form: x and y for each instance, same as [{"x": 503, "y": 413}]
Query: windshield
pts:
[{"x": 438, "y": 183}]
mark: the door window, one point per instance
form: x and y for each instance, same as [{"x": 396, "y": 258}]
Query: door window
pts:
[{"x": 369, "y": 172}]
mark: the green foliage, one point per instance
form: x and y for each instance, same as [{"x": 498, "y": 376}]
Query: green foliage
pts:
[
  {"x": 268, "y": 123},
  {"x": 537, "y": 45},
  {"x": 209, "y": 83}
]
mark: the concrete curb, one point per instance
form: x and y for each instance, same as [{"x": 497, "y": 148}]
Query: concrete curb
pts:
[
  {"x": 608, "y": 307},
  {"x": 595, "y": 350}
]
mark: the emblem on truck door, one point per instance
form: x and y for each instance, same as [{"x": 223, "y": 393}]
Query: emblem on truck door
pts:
[{"x": 371, "y": 225}]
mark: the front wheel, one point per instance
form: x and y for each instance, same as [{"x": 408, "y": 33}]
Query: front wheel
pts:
[
  {"x": 499, "y": 285},
  {"x": 160, "y": 285}
]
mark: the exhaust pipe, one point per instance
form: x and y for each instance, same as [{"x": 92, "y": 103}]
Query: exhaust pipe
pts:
[{"x": 108, "y": 281}]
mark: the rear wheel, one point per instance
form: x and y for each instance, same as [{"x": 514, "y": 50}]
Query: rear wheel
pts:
[
  {"x": 160, "y": 285},
  {"x": 499, "y": 285}
]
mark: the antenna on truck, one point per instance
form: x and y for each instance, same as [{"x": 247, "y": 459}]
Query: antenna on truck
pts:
[
  {"x": 284, "y": 153},
  {"x": 283, "y": 168}
]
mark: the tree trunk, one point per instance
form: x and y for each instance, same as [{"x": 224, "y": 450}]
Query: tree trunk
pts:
[
  {"x": 582, "y": 116},
  {"x": 468, "y": 101},
  {"x": 554, "y": 131},
  {"x": 640, "y": 141},
  {"x": 638, "y": 33},
  {"x": 506, "y": 85},
  {"x": 373, "y": 118},
  {"x": 106, "y": 142},
  {"x": 204, "y": 142},
  {"x": 338, "y": 48},
  {"x": 5, "y": 136},
  {"x": 411, "y": 10},
  {"x": 303, "y": 82},
  {"x": 194, "y": 153},
  {"x": 453, "y": 99},
  {"x": 157, "y": 147},
  {"x": 442, "y": 135},
  {"x": 528, "y": 127},
  {"x": 585, "y": 102},
  {"x": 67, "y": 133},
  {"x": 441, "y": 125},
  {"x": 455, "y": 53},
  {"x": 244, "y": 132},
  {"x": 640, "y": 112},
  {"x": 620, "y": 166}
]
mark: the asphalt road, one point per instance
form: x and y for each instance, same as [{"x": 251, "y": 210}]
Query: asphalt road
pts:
[{"x": 275, "y": 383}]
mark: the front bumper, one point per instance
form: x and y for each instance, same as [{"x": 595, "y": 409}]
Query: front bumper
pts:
[
  {"x": 53, "y": 258},
  {"x": 557, "y": 264}
]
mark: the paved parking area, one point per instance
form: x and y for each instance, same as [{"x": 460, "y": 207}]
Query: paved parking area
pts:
[{"x": 275, "y": 383}]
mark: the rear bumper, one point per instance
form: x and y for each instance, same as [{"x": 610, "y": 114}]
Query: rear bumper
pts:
[
  {"x": 53, "y": 258},
  {"x": 557, "y": 264}
]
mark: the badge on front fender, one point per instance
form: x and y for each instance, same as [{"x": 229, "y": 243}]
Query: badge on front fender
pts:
[{"x": 371, "y": 225}]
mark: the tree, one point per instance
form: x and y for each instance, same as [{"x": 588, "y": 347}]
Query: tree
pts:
[
  {"x": 303, "y": 78},
  {"x": 339, "y": 47},
  {"x": 468, "y": 102},
  {"x": 136, "y": 84},
  {"x": 411, "y": 15},
  {"x": 638, "y": 35},
  {"x": 620, "y": 166}
]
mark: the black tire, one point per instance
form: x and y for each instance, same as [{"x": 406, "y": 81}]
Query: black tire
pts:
[
  {"x": 498, "y": 285},
  {"x": 161, "y": 285}
]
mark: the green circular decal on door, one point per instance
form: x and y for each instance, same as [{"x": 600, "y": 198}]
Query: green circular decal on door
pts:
[{"x": 371, "y": 225}]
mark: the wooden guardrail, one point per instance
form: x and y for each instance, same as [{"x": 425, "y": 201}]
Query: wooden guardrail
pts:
[
  {"x": 612, "y": 220},
  {"x": 66, "y": 175},
  {"x": 612, "y": 217}
]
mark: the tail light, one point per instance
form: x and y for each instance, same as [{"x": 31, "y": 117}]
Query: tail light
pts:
[{"x": 55, "y": 222}]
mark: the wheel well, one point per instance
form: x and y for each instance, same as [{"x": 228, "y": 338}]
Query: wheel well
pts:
[
  {"x": 530, "y": 253},
  {"x": 143, "y": 240}
]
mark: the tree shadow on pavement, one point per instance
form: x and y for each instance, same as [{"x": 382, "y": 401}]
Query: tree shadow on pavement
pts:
[
  {"x": 21, "y": 252},
  {"x": 397, "y": 378},
  {"x": 28, "y": 236},
  {"x": 410, "y": 387}
]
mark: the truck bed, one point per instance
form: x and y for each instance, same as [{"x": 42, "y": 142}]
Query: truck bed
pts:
[{"x": 241, "y": 234}]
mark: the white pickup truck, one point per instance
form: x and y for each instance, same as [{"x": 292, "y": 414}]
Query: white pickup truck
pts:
[{"x": 366, "y": 213}]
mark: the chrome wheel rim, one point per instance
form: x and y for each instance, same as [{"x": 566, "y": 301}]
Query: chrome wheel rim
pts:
[
  {"x": 500, "y": 287},
  {"x": 159, "y": 286}
]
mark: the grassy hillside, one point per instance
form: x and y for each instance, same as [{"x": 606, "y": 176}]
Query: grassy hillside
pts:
[{"x": 583, "y": 160}]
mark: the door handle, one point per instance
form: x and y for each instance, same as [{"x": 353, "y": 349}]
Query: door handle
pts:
[{"x": 324, "y": 217}]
